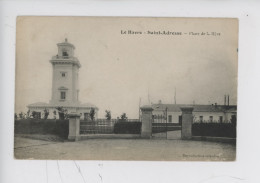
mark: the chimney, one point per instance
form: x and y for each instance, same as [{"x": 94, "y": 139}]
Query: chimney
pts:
[
  {"x": 225, "y": 100},
  {"x": 228, "y": 100},
  {"x": 160, "y": 102}
]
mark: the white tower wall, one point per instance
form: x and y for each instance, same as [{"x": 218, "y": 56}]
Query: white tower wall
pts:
[{"x": 65, "y": 87}]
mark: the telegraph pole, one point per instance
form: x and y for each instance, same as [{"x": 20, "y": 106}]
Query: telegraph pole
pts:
[{"x": 175, "y": 95}]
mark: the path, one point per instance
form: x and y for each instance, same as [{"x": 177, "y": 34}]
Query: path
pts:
[{"x": 125, "y": 149}]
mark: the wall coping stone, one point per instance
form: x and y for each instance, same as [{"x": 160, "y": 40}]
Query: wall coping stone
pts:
[
  {"x": 146, "y": 108},
  {"x": 187, "y": 109},
  {"x": 73, "y": 114}
]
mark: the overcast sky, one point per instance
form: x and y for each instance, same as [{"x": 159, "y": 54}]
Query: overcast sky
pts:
[{"x": 119, "y": 69}]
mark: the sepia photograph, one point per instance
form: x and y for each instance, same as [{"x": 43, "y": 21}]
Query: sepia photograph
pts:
[{"x": 126, "y": 88}]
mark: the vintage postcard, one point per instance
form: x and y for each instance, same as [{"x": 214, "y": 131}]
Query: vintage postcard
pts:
[{"x": 126, "y": 88}]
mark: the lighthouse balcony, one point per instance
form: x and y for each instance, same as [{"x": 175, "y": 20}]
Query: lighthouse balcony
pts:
[
  {"x": 65, "y": 60},
  {"x": 57, "y": 57}
]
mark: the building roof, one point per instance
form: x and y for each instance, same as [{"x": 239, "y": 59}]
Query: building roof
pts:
[
  {"x": 77, "y": 105},
  {"x": 89, "y": 105},
  {"x": 66, "y": 43},
  {"x": 39, "y": 104},
  {"x": 197, "y": 107}
]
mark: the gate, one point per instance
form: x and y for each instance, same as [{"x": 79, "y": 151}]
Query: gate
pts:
[
  {"x": 159, "y": 126},
  {"x": 162, "y": 129}
]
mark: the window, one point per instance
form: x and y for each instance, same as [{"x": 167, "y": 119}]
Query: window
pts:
[
  {"x": 170, "y": 118},
  {"x": 36, "y": 115},
  {"x": 211, "y": 119},
  {"x": 62, "y": 95},
  {"x": 220, "y": 119},
  {"x": 63, "y": 74},
  {"x": 65, "y": 53},
  {"x": 201, "y": 118}
]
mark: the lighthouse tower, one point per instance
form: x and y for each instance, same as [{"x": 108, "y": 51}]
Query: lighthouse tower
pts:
[{"x": 65, "y": 87}]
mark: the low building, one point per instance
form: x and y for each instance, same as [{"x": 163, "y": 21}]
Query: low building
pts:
[
  {"x": 201, "y": 113},
  {"x": 65, "y": 87}
]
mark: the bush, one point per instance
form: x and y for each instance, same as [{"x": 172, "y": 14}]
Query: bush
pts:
[
  {"x": 40, "y": 126},
  {"x": 214, "y": 129},
  {"x": 127, "y": 128}
]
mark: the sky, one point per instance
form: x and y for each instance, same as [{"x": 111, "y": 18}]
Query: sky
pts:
[{"x": 120, "y": 70}]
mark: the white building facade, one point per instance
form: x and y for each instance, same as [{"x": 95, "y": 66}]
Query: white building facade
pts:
[
  {"x": 65, "y": 86},
  {"x": 201, "y": 113}
]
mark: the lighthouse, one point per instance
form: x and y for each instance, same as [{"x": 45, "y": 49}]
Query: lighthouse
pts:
[
  {"x": 65, "y": 80},
  {"x": 65, "y": 85}
]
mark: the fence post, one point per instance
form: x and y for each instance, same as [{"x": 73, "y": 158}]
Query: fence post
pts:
[
  {"x": 146, "y": 130},
  {"x": 187, "y": 119},
  {"x": 74, "y": 127}
]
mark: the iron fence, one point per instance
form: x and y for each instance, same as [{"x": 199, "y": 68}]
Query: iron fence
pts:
[{"x": 103, "y": 126}]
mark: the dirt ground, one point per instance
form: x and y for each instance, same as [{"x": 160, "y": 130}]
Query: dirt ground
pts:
[{"x": 26, "y": 147}]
